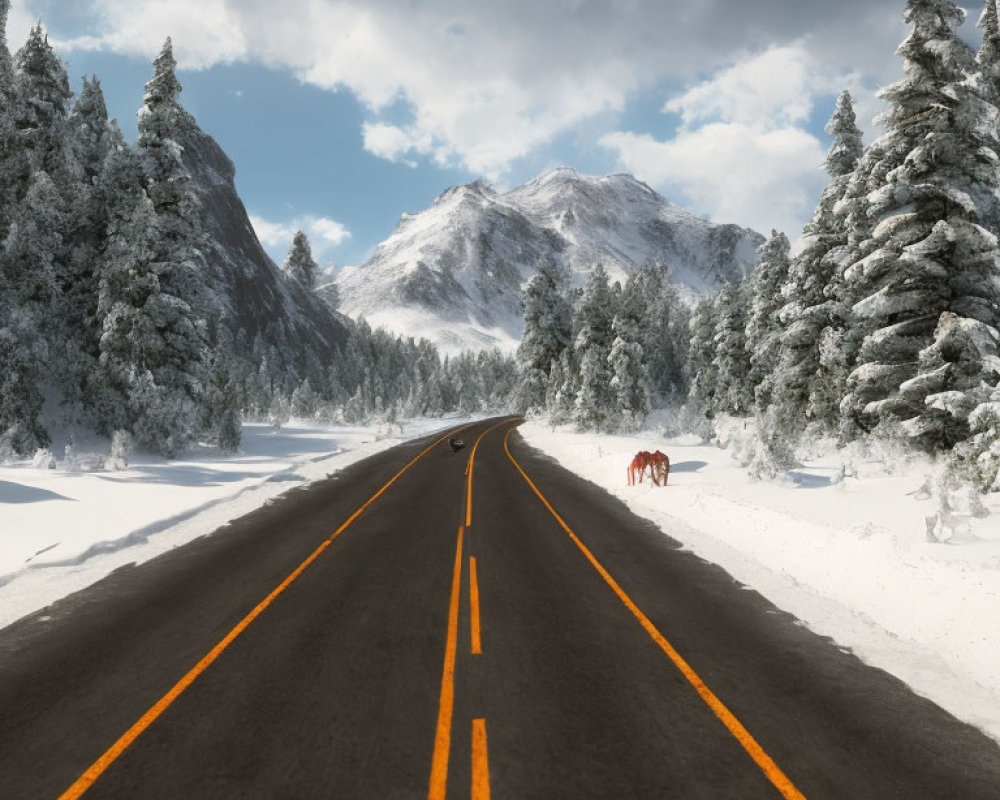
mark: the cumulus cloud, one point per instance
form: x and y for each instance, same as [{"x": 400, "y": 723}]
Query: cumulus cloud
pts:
[
  {"x": 741, "y": 153},
  {"x": 732, "y": 172},
  {"x": 488, "y": 83},
  {"x": 19, "y": 23},
  {"x": 324, "y": 234}
]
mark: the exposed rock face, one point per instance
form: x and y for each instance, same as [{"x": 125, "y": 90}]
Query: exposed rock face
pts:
[
  {"x": 455, "y": 272},
  {"x": 247, "y": 284}
]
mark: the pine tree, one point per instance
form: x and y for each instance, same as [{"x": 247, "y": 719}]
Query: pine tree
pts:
[
  {"x": 763, "y": 331},
  {"x": 813, "y": 314},
  {"x": 28, "y": 288},
  {"x": 628, "y": 370},
  {"x": 172, "y": 367},
  {"x": 731, "y": 359},
  {"x": 304, "y": 402},
  {"x": 704, "y": 373},
  {"x": 299, "y": 263},
  {"x": 987, "y": 81},
  {"x": 547, "y": 331},
  {"x": 665, "y": 330},
  {"x": 43, "y": 91},
  {"x": 10, "y": 151},
  {"x": 90, "y": 139},
  {"x": 593, "y": 319},
  {"x": 929, "y": 255}
]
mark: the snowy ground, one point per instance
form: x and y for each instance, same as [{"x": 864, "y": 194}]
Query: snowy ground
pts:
[
  {"x": 60, "y": 530},
  {"x": 848, "y": 556}
]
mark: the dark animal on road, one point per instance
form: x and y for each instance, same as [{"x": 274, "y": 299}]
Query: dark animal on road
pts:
[{"x": 456, "y": 444}]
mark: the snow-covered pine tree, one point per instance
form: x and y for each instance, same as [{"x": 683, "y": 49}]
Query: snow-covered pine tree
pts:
[
  {"x": 929, "y": 256},
  {"x": 28, "y": 286},
  {"x": 665, "y": 331},
  {"x": 547, "y": 331},
  {"x": 176, "y": 364},
  {"x": 629, "y": 383},
  {"x": 594, "y": 316},
  {"x": 304, "y": 402},
  {"x": 10, "y": 151},
  {"x": 731, "y": 359},
  {"x": 299, "y": 263},
  {"x": 763, "y": 330},
  {"x": 812, "y": 314},
  {"x": 43, "y": 91},
  {"x": 764, "y": 333},
  {"x": 701, "y": 359},
  {"x": 90, "y": 138},
  {"x": 560, "y": 394}
]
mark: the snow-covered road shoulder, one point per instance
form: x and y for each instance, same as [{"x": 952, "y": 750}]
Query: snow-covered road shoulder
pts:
[
  {"x": 61, "y": 531},
  {"x": 849, "y": 557}
]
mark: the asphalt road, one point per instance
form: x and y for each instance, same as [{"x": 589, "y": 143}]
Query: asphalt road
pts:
[{"x": 536, "y": 643}]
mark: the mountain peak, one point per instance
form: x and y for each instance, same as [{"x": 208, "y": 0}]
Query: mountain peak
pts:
[
  {"x": 557, "y": 174},
  {"x": 455, "y": 273},
  {"x": 478, "y": 188}
]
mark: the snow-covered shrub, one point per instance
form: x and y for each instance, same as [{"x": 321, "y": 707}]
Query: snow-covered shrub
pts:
[
  {"x": 738, "y": 435},
  {"x": 69, "y": 461},
  {"x": 978, "y": 459},
  {"x": 121, "y": 444},
  {"x": 43, "y": 459},
  {"x": 280, "y": 412}
]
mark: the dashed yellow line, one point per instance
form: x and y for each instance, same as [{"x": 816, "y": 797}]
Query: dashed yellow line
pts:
[
  {"x": 95, "y": 770},
  {"x": 475, "y": 634},
  {"x": 480, "y": 762},
  {"x": 778, "y": 778}
]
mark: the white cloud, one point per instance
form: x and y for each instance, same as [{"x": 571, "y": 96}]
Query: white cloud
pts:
[
  {"x": 778, "y": 84},
  {"x": 390, "y": 141},
  {"x": 488, "y": 83},
  {"x": 741, "y": 153},
  {"x": 324, "y": 234},
  {"x": 732, "y": 172},
  {"x": 19, "y": 23}
]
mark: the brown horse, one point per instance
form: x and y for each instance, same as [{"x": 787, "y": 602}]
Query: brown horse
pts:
[
  {"x": 657, "y": 463},
  {"x": 638, "y": 466},
  {"x": 659, "y": 468}
]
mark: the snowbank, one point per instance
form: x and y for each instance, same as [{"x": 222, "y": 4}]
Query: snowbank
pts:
[
  {"x": 849, "y": 556},
  {"x": 62, "y": 530}
]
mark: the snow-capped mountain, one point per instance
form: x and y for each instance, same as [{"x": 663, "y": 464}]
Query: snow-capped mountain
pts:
[
  {"x": 246, "y": 283},
  {"x": 455, "y": 272}
]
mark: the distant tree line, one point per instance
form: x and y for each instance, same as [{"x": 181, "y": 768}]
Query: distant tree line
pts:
[{"x": 602, "y": 356}]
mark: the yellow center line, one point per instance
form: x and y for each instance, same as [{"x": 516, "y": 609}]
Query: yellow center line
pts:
[
  {"x": 477, "y": 642},
  {"x": 480, "y": 762},
  {"x": 781, "y": 782},
  {"x": 95, "y": 770},
  {"x": 469, "y": 469},
  {"x": 442, "y": 739}
]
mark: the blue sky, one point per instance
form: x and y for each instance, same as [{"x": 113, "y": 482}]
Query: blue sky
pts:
[{"x": 342, "y": 114}]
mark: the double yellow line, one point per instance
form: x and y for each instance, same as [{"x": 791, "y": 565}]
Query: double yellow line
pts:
[{"x": 100, "y": 766}]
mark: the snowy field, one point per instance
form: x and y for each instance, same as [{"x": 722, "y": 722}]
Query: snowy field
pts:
[
  {"x": 841, "y": 543},
  {"x": 62, "y": 530}
]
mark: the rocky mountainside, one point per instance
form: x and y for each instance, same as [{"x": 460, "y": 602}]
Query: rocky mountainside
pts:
[
  {"x": 455, "y": 272},
  {"x": 249, "y": 286}
]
